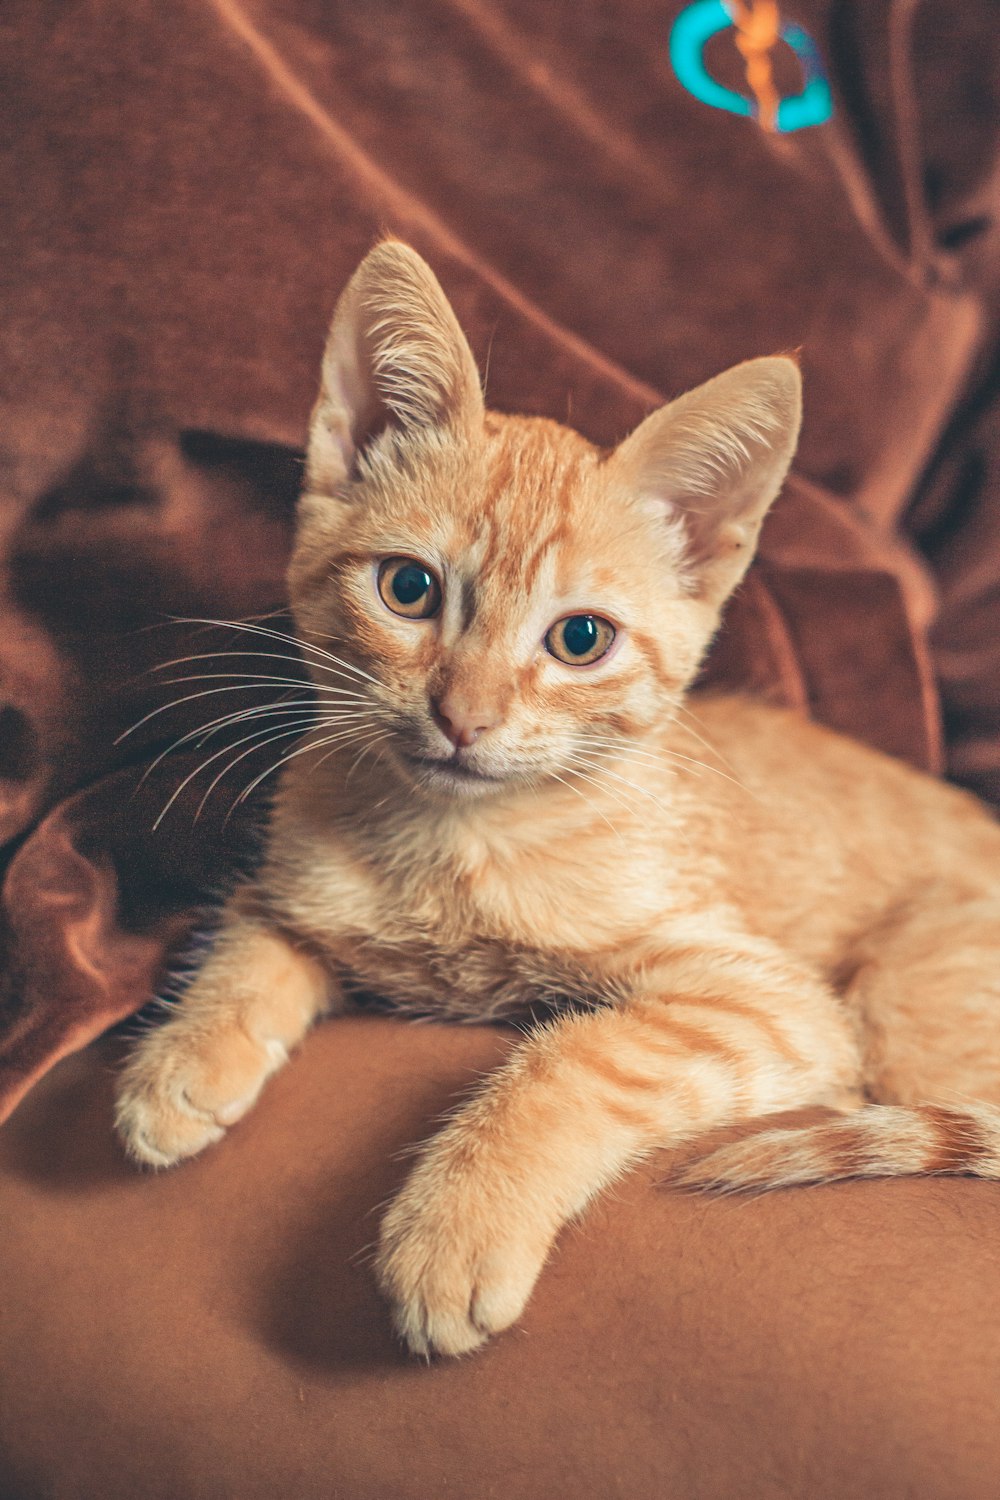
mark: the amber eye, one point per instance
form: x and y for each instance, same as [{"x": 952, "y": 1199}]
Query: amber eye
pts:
[
  {"x": 408, "y": 588},
  {"x": 580, "y": 639}
]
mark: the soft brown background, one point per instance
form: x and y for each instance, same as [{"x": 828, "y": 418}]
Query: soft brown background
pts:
[{"x": 185, "y": 190}]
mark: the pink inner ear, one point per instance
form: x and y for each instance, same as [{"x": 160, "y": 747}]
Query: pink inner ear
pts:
[{"x": 348, "y": 404}]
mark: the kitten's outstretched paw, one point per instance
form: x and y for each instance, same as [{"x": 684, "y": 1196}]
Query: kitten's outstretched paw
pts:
[
  {"x": 455, "y": 1272},
  {"x": 180, "y": 1091}
]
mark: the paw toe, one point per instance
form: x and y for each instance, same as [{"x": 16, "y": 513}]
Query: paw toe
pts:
[
  {"x": 448, "y": 1297},
  {"x": 178, "y": 1095},
  {"x": 158, "y": 1133}
]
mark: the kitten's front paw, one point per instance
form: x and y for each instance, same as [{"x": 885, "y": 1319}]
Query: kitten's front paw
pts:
[
  {"x": 456, "y": 1267},
  {"x": 180, "y": 1090}
]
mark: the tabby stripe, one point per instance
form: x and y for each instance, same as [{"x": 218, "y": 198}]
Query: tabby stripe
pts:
[
  {"x": 622, "y": 1078},
  {"x": 663, "y": 1018},
  {"x": 745, "y": 1010},
  {"x": 558, "y": 532},
  {"x": 633, "y": 1116},
  {"x": 664, "y": 1089},
  {"x": 847, "y": 1150},
  {"x": 648, "y": 650},
  {"x": 701, "y": 1039},
  {"x": 880, "y": 1141},
  {"x": 963, "y": 1140}
]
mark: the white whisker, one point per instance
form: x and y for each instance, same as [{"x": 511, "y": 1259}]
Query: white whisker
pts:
[
  {"x": 282, "y": 734},
  {"x": 693, "y": 760},
  {"x": 246, "y": 716},
  {"x": 281, "y": 635},
  {"x": 198, "y": 734},
  {"x": 258, "y": 679},
  {"x": 682, "y": 708},
  {"x": 292, "y": 661},
  {"x": 300, "y": 730},
  {"x": 593, "y": 758},
  {"x": 563, "y": 782},
  {"x": 674, "y": 755},
  {"x": 607, "y": 791},
  {"x": 177, "y": 702},
  {"x": 283, "y": 760},
  {"x": 259, "y": 734},
  {"x": 300, "y": 725},
  {"x": 621, "y": 747},
  {"x": 372, "y": 742}
]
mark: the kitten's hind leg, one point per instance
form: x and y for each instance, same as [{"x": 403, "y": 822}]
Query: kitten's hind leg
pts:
[
  {"x": 254, "y": 997},
  {"x": 926, "y": 986}
]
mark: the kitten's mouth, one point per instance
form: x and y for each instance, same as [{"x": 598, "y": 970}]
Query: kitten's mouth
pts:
[{"x": 449, "y": 770}]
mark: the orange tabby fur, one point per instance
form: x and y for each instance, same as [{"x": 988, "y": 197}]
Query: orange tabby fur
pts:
[{"x": 726, "y": 916}]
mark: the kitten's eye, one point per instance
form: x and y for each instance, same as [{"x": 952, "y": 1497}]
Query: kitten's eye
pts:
[
  {"x": 580, "y": 639},
  {"x": 408, "y": 588}
]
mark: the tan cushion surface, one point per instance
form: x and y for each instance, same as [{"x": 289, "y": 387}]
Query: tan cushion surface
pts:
[{"x": 214, "y": 1331}]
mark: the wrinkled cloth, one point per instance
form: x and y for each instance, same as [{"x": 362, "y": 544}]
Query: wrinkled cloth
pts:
[{"x": 186, "y": 192}]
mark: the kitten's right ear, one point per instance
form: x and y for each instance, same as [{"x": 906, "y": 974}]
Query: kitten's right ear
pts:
[{"x": 396, "y": 356}]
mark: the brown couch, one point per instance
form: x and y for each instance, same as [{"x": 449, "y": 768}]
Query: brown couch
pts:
[
  {"x": 184, "y": 194},
  {"x": 213, "y": 1333}
]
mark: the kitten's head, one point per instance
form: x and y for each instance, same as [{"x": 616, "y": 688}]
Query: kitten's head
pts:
[{"x": 506, "y": 594}]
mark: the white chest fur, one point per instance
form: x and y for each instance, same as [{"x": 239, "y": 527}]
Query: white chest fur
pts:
[{"x": 473, "y": 924}]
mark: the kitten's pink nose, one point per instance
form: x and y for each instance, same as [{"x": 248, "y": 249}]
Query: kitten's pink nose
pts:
[{"x": 462, "y": 722}]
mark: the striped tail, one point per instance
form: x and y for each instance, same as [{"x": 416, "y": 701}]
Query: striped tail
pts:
[{"x": 877, "y": 1141}]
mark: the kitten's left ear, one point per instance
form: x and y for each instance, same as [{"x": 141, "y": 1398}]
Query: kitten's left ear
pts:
[
  {"x": 395, "y": 356},
  {"x": 713, "y": 461}
]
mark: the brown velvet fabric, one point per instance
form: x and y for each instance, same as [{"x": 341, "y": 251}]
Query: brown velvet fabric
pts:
[
  {"x": 185, "y": 190},
  {"x": 214, "y": 1332}
]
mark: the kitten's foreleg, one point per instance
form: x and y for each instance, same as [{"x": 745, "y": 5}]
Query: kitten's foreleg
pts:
[
  {"x": 581, "y": 1101},
  {"x": 254, "y": 997}
]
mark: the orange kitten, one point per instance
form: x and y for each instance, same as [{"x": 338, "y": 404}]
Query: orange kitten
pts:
[{"x": 725, "y": 917}]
